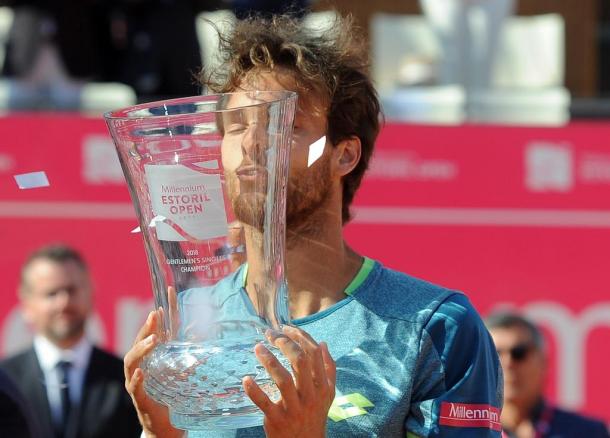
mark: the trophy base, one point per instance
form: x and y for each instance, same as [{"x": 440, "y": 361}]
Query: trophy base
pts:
[
  {"x": 239, "y": 419},
  {"x": 201, "y": 383}
]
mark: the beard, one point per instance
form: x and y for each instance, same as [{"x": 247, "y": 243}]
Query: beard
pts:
[
  {"x": 308, "y": 191},
  {"x": 64, "y": 331},
  {"x": 308, "y": 194},
  {"x": 249, "y": 209},
  {"x": 247, "y": 201}
]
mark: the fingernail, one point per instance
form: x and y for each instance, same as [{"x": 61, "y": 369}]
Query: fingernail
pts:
[
  {"x": 150, "y": 339},
  {"x": 263, "y": 350},
  {"x": 288, "y": 328}
]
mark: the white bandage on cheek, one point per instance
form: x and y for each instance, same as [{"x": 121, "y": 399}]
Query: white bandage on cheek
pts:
[
  {"x": 32, "y": 180},
  {"x": 316, "y": 149}
]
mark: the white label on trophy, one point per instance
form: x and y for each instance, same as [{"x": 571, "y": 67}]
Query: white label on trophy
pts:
[{"x": 190, "y": 201}]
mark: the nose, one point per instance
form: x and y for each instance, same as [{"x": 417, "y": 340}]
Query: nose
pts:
[
  {"x": 255, "y": 143},
  {"x": 64, "y": 297}
]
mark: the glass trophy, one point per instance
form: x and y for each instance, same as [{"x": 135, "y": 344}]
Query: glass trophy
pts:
[{"x": 207, "y": 176}]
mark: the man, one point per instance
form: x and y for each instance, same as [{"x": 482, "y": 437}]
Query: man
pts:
[
  {"x": 374, "y": 352},
  {"x": 526, "y": 414},
  {"x": 75, "y": 389}
]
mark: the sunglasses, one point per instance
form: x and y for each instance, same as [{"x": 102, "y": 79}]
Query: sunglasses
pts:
[{"x": 519, "y": 352}]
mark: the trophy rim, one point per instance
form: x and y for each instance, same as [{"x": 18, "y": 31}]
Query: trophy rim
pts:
[{"x": 125, "y": 112}]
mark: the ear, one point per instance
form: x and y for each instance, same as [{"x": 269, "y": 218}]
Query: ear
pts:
[{"x": 347, "y": 155}]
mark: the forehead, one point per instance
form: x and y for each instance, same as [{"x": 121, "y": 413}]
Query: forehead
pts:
[
  {"x": 42, "y": 272},
  {"x": 268, "y": 80},
  {"x": 510, "y": 336},
  {"x": 283, "y": 80}
]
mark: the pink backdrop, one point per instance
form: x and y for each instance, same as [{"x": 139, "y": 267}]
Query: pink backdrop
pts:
[{"x": 512, "y": 216}]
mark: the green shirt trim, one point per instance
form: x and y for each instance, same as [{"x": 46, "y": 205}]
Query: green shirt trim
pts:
[{"x": 361, "y": 276}]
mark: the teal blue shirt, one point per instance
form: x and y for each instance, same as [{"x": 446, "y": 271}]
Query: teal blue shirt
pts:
[{"x": 413, "y": 359}]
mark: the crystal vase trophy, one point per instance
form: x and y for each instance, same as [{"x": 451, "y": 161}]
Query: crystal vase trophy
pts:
[{"x": 207, "y": 176}]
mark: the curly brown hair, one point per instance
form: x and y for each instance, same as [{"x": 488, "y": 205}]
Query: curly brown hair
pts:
[{"x": 330, "y": 65}]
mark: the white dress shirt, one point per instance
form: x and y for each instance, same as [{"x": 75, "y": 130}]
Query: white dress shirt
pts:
[{"x": 48, "y": 356}]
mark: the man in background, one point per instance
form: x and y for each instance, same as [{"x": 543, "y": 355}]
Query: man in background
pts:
[
  {"x": 526, "y": 413},
  {"x": 75, "y": 388}
]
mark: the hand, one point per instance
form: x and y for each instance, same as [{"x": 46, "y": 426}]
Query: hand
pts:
[
  {"x": 306, "y": 399},
  {"x": 153, "y": 417}
]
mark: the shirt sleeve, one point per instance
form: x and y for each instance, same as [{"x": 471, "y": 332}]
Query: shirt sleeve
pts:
[{"x": 458, "y": 380}]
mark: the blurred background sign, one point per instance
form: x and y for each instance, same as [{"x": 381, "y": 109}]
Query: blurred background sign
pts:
[{"x": 512, "y": 216}]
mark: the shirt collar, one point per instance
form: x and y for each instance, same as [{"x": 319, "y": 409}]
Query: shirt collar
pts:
[{"x": 49, "y": 354}]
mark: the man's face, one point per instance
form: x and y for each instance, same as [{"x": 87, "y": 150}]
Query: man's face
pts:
[
  {"x": 245, "y": 151},
  {"x": 57, "y": 299},
  {"x": 523, "y": 363},
  {"x": 245, "y": 146}
]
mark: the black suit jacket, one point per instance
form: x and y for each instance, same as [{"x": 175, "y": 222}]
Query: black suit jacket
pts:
[
  {"x": 105, "y": 410},
  {"x": 566, "y": 424},
  {"x": 16, "y": 418}
]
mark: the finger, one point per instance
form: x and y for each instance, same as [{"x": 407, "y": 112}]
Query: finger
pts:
[
  {"x": 273, "y": 335},
  {"x": 145, "y": 331},
  {"x": 298, "y": 335},
  {"x": 134, "y": 356},
  {"x": 279, "y": 374},
  {"x": 135, "y": 387},
  {"x": 160, "y": 319},
  {"x": 259, "y": 397},
  {"x": 164, "y": 326},
  {"x": 174, "y": 321},
  {"x": 147, "y": 328},
  {"x": 313, "y": 350},
  {"x": 138, "y": 395},
  {"x": 301, "y": 365},
  {"x": 329, "y": 366}
]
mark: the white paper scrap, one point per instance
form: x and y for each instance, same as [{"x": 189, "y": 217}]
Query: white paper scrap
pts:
[
  {"x": 316, "y": 149},
  {"x": 153, "y": 223},
  {"x": 158, "y": 218},
  {"x": 32, "y": 180}
]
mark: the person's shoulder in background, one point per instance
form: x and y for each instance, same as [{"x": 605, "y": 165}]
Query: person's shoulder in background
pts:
[
  {"x": 15, "y": 413},
  {"x": 105, "y": 386},
  {"x": 571, "y": 424}
]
